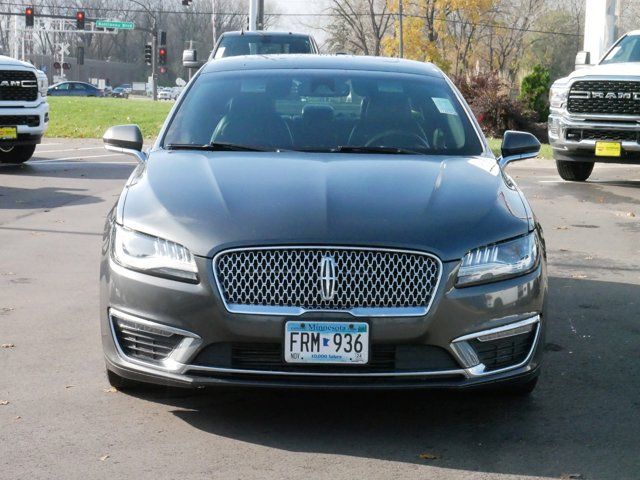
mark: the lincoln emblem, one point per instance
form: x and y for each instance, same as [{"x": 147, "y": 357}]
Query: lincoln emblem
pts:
[{"x": 327, "y": 278}]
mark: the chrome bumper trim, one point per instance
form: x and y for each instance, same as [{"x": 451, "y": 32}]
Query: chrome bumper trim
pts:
[{"x": 172, "y": 368}]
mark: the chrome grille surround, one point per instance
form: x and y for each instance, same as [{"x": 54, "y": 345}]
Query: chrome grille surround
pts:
[{"x": 287, "y": 280}]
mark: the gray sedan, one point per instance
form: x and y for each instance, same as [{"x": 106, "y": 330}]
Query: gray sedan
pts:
[{"x": 316, "y": 221}]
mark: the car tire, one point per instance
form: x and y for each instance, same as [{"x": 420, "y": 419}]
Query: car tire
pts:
[
  {"x": 18, "y": 154},
  {"x": 574, "y": 171}
]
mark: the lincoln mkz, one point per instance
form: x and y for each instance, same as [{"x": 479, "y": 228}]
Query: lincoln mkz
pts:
[{"x": 322, "y": 221}]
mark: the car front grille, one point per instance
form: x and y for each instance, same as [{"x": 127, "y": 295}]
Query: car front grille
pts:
[
  {"x": 601, "y": 134},
  {"x": 29, "y": 120},
  {"x": 10, "y": 92},
  {"x": 268, "y": 357},
  {"x": 339, "y": 279},
  {"x": 504, "y": 352},
  {"x": 590, "y": 97},
  {"x": 144, "y": 344}
]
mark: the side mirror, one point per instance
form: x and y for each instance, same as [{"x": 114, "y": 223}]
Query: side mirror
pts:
[
  {"x": 583, "y": 59},
  {"x": 125, "y": 139},
  {"x": 190, "y": 59},
  {"x": 518, "y": 146}
]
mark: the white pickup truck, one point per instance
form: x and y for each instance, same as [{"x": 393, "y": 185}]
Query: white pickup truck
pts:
[
  {"x": 595, "y": 111},
  {"x": 24, "y": 112}
]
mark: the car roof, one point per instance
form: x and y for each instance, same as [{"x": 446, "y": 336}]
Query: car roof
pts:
[
  {"x": 327, "y": 62},
  {"x": 262, "y": 33}
]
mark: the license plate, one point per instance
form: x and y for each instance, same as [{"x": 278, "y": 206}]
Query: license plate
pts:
[
  {"x": 608, "y": 149},
  {"x": 8, "y": 133},
  {"x": 326, "y": 342}
]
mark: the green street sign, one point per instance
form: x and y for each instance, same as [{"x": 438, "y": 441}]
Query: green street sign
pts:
[{"x": 115, "y": 24}]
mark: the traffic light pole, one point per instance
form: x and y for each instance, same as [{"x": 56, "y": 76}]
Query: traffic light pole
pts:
[{"x": 154, "y": 59}]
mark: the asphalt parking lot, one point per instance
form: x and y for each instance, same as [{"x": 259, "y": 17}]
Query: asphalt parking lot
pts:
[{"x": 60, "y": 419}]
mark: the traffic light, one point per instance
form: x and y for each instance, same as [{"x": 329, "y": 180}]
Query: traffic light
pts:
[
  {"x": 147, "y": 54},
  {"x": 80, "y": 56},
  {"x": 163, "y": 38},
  {"x": 162, "y": 55},
  {"x": 28, "y": 16},
  {"x": 80, "y": 20}
]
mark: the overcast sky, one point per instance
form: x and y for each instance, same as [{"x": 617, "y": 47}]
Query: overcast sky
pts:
[{"x": 302, "y": 23}]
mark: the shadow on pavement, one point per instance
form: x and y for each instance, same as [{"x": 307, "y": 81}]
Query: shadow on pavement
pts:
[
  {"x": 583, "y": 418},
  {"x": 76, "y": 169},
  {"x": 43, "y": 197}
]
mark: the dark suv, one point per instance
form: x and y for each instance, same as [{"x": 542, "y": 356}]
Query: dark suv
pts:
[{"x": 233, "y": 44}]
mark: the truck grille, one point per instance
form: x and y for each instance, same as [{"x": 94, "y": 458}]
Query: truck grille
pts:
[
  {"x": 590, "y": 97},
  {"x": 30, "y": 120},
  {"x": 18, "y": 93},
  {"x": 599, "y": 134},
  {"x": 327, "y": 278}
]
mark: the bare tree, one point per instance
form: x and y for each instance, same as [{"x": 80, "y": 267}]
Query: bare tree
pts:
[{"x": 358, "y": 26}]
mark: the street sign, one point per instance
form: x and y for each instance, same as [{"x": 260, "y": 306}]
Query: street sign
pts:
[{"x": 115, "y": 24}]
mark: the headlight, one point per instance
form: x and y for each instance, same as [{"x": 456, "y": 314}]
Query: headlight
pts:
[
  {"x": 499, "y": 261},
  {"x": 43, "y": 83},
  {"x": 152, "y": 255},
  {"x": 558, "y": 94}
]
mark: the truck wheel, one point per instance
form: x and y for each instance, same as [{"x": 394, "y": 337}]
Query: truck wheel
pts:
[
  {"x": 574, "y": 171},
  {"x": 19, "y": 154}
]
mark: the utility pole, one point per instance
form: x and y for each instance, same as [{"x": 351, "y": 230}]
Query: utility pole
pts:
[
  {"x": 400, "y": 28},
  {"x": 256, "y": 15},
  {"x": 253, "y": 15},
  {"x": 213, "y": 24}
]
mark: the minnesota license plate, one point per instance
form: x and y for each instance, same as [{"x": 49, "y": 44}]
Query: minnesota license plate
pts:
[
  {"x": 8, "y": 133},
  {"x": 326, "y": 342},
  {"x": 608, "y": 149}
]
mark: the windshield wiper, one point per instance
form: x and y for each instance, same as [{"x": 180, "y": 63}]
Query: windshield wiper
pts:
[
  {"x": 372, "y": 149},
  {"x": 217, "y": 147}
]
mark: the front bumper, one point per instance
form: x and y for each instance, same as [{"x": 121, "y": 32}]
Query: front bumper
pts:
[
  {"x": 28, "y": 134},
  {"x": 198, "y": 311},
  {"x": 566, "y": 136}
]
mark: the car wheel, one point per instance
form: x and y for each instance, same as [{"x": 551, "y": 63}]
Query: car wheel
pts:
[
  {"x": 16, "y": 155},
  {"x": 574, "y": 171}
]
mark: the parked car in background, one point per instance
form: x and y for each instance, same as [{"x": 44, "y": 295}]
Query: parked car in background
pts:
[
  {"x": 278, "y": 235},
  {"x": 165, "y": 93},
  {"x": 25, "y": 111},
  {"x": 75, "y": 89},
  {"x": 231, "y": 44},
  {"x": 120, "y": 92},
  {"x": 595, "y": 111},
  {"x": 126, "y": 86}
]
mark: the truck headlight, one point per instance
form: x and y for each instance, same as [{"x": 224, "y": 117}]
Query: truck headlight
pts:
[
  {"x": 499, "y": 261},
  {"x": 152, "y": 255},
  {"x": 558, "y": 95},
  {"x": 43, "y": 83}
]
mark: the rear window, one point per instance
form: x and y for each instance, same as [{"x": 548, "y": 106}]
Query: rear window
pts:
[
  {"x": 323, "y": 110},
  {"x": 235, "y": 45}
]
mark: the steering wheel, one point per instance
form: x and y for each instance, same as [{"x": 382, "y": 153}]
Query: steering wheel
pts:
[{"x": 414, "y": 140}]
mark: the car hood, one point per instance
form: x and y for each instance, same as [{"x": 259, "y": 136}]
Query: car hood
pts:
[
  {"x": 210, "y": 201},
  {"x": 629, "y": 69}
]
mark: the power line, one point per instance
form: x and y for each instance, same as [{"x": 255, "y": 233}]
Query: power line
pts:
[{"x": 314, "y": 15}]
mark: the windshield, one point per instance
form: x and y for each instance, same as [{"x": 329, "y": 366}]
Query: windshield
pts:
[
  {"x": 324, "y": 110},
  {"x": 234, "y": 45},
  {"x": 627, "y": 50}
]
